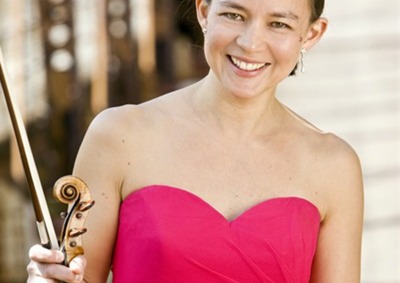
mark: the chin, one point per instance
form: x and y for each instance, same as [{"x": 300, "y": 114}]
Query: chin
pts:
[{"x": 243, "y": 94}]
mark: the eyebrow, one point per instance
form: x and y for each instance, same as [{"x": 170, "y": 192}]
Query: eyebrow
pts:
[
  {"x": 286, "y": 15},
  {"x": 283, "y": 14},
  {"x": 231, "y": 4}
]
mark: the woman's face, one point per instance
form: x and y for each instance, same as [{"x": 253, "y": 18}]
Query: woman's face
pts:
[{"x": 252, "y": 45}]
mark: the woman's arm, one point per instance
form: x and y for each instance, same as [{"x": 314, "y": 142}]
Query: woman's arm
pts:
[
  {"x": 98, "y": 164},
  {"x": 338, "y": 253}
]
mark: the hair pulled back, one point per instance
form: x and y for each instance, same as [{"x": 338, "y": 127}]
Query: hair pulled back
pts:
[{"x": 317, "y": 9}]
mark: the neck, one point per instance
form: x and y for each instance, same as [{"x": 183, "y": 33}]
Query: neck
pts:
[{"x": 235, "y": 115}]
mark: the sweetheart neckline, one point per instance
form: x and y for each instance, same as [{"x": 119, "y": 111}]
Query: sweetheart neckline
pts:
[{"x": 239, "y": 215}]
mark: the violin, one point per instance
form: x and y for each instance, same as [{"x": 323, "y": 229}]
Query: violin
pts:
[
  {"x": 74, "y": 192},
  {"x": 68, "y": 190}
]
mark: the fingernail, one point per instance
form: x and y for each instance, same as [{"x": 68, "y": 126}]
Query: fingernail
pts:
[{"x": 78, "y": 278}]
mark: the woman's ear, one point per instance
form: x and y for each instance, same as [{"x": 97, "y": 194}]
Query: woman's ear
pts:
[
  {"x": 202, "y": 8},
  {"x": 315, "y": 33}
]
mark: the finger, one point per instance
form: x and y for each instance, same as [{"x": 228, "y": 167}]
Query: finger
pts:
[
  {"x": 41, "y": 254},
  {"x": 78, "y": 265},
  {"x": 36, "y": 279},
  {"x": 52, "y": 271}
]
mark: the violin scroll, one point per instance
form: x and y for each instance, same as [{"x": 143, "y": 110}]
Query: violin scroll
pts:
[{"x": 74, "y": 192}]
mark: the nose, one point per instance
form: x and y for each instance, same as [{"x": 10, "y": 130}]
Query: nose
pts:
[{"x": 251, "y": 38}]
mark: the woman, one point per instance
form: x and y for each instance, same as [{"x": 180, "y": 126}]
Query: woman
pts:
[{"x": 220, "y": 182}]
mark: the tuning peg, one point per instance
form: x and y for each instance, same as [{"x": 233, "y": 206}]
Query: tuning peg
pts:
[
  {"x": 73, "y": 233},
  {"x": 86, "y": 205}
]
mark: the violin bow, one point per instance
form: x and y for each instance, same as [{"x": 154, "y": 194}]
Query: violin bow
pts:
[
  {"x": 68, "y": 189},
  {"x": 44, "y": 223}
]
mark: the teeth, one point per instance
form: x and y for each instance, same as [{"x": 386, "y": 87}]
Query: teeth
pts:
[{"x": 246, "y": 66}]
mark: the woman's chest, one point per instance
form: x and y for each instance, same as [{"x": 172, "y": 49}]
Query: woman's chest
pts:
[{"x": 230, "y": 177}]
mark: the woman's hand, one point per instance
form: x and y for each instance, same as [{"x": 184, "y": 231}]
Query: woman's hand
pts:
[{"x": 45, "y": 266}]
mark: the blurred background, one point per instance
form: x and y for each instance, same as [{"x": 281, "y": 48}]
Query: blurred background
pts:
[{"x": 69, "y": 59}]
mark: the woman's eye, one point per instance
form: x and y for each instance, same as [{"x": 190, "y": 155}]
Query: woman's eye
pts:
[
  {"x": 279, "y": 25},
  {"x": 233, "y": 16}
]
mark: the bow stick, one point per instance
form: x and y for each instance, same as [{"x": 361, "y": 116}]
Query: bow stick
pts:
[
  {"x": 68, "y": 189},
  {"x": 45, "y": 226}
]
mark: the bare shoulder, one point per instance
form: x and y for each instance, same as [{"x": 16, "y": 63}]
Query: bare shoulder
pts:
[
  {"x": 100, "y": 164},
  {"x": 331, "y": 166},
  {"x": 107, "y": 140},
  {"x": 326, "y": 150},
  {"x": 139, "y": 117},
  {"x": 339, "y": 158},
  {"x": 130, "y": 119},
  {"x": 335, "y": 169},
  {"x": 336, "y": 150},
  {"x": 343, "y": 176},
  {"x": 116, "y": 120},
  {"x": 123, "y": 124}
]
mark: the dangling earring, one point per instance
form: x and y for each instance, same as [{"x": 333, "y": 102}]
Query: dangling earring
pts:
[
  {"x": 302, "y": 55},
  {"x": 204, "y": 30}
]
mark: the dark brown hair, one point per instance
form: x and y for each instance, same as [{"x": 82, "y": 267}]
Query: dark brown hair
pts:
[{"x": 317, "y": 9}]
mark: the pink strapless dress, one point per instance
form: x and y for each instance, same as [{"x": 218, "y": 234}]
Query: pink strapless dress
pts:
[{"x": 170, "y": 235}]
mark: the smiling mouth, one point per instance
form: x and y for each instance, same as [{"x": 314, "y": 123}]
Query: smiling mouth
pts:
[{"x": 247, "y": 66}]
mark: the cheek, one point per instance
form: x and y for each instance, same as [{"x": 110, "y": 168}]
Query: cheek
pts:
[
  {"x": 219, "y": 36},
  {"x": 221, "y": 33},
  {"x": 286, "y": 48},
  {"x": 217, "y": 42}
]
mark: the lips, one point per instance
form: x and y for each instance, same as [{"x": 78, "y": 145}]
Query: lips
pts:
[{"x": 247, "y": 66}]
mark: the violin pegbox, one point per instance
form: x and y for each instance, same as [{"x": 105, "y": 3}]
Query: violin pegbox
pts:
[{"x": 74, "y": 192}]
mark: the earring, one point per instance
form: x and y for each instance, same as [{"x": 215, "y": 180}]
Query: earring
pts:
[
  {"x": 302, "y": 55},
  {"x": 204, "y": 30}
]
